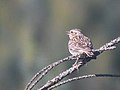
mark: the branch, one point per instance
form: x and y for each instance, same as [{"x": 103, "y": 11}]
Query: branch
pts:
[
  {"x": 43, "y": 72},
  {"x": 109, "y": 46},
  {"x": 82, "y": 61},
  {"x": 82, "y": 77}
]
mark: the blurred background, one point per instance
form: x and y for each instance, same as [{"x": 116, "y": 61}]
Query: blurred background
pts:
[{"x": 33, "y": 35}]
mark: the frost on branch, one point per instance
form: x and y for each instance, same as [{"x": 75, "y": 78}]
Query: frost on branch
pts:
[{"x": 56, "y": 81}]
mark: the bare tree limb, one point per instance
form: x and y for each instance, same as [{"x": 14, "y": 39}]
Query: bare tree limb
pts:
[
  {"x": 82, "y": 62},
  {"x": 36, "y": 78},
  {"x": 82, "y": 77}
]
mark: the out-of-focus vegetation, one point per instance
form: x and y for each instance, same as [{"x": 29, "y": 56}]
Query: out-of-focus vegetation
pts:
[{"x": 33, "y": 35}]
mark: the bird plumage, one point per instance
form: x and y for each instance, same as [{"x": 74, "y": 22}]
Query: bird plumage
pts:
[{"x": 79, "y": 44}]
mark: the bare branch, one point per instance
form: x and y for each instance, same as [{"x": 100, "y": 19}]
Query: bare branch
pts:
[
  {"x": 44, "y": 71},
  {"x": 82, "y": 77},
  {"x": 82, "y": 61},
  {"x": 109, "y": 46}
]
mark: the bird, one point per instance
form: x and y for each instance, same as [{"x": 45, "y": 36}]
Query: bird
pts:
[{"x": 79, "y": 44}]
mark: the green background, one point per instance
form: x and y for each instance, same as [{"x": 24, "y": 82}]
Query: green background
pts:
[{"x": 33, "y": 35}]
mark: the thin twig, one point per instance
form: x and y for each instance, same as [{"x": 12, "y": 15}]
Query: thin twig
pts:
[
  {"x": 63, "y": 74},
  {"x": 37, "y": 77},
  {"x": 83, "y": 60},
  {"x": 82, "y": 77},
  {"x": 109, "y": 46}
]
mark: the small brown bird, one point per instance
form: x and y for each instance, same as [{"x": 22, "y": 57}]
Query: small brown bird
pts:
[{"x": 79, "y": 44}]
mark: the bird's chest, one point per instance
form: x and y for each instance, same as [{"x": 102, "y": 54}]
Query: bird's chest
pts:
[
  {"x": 74, "y": 43},
  {"x": 77, "y": 43}
]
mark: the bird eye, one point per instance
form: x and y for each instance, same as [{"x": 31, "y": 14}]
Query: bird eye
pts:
[{"x": 71, "y": 31}]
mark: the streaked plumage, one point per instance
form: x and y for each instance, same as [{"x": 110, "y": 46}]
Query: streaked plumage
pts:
[{"x": 78, "y": 43}]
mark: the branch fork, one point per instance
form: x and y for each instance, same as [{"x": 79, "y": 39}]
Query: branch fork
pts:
[{"x": 56, "y": 81}]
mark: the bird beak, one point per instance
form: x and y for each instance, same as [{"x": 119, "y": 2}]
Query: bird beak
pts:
[{"x": 68, "y": 32}]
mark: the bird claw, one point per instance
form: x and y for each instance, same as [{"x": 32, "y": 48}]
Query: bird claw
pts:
[{"x": 76, "y": 65}]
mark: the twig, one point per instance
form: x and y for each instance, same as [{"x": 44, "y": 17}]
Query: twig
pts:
[
  {"x": 44, "y": 71},
  {"x": 82, "y": 77},
  {"x": 82, "y": 61},
  {"x": 35, "y": 76},
  {"x": 107, "y": 46}
]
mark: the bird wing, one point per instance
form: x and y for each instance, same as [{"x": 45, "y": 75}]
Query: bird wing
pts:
[{"x": 85, "y": 42}]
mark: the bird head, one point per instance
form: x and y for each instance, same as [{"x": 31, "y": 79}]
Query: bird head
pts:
[{"x": 74, "y": 33}]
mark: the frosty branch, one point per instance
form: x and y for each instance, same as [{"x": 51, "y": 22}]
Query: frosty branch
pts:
[{"x": 56, "y": 81}]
